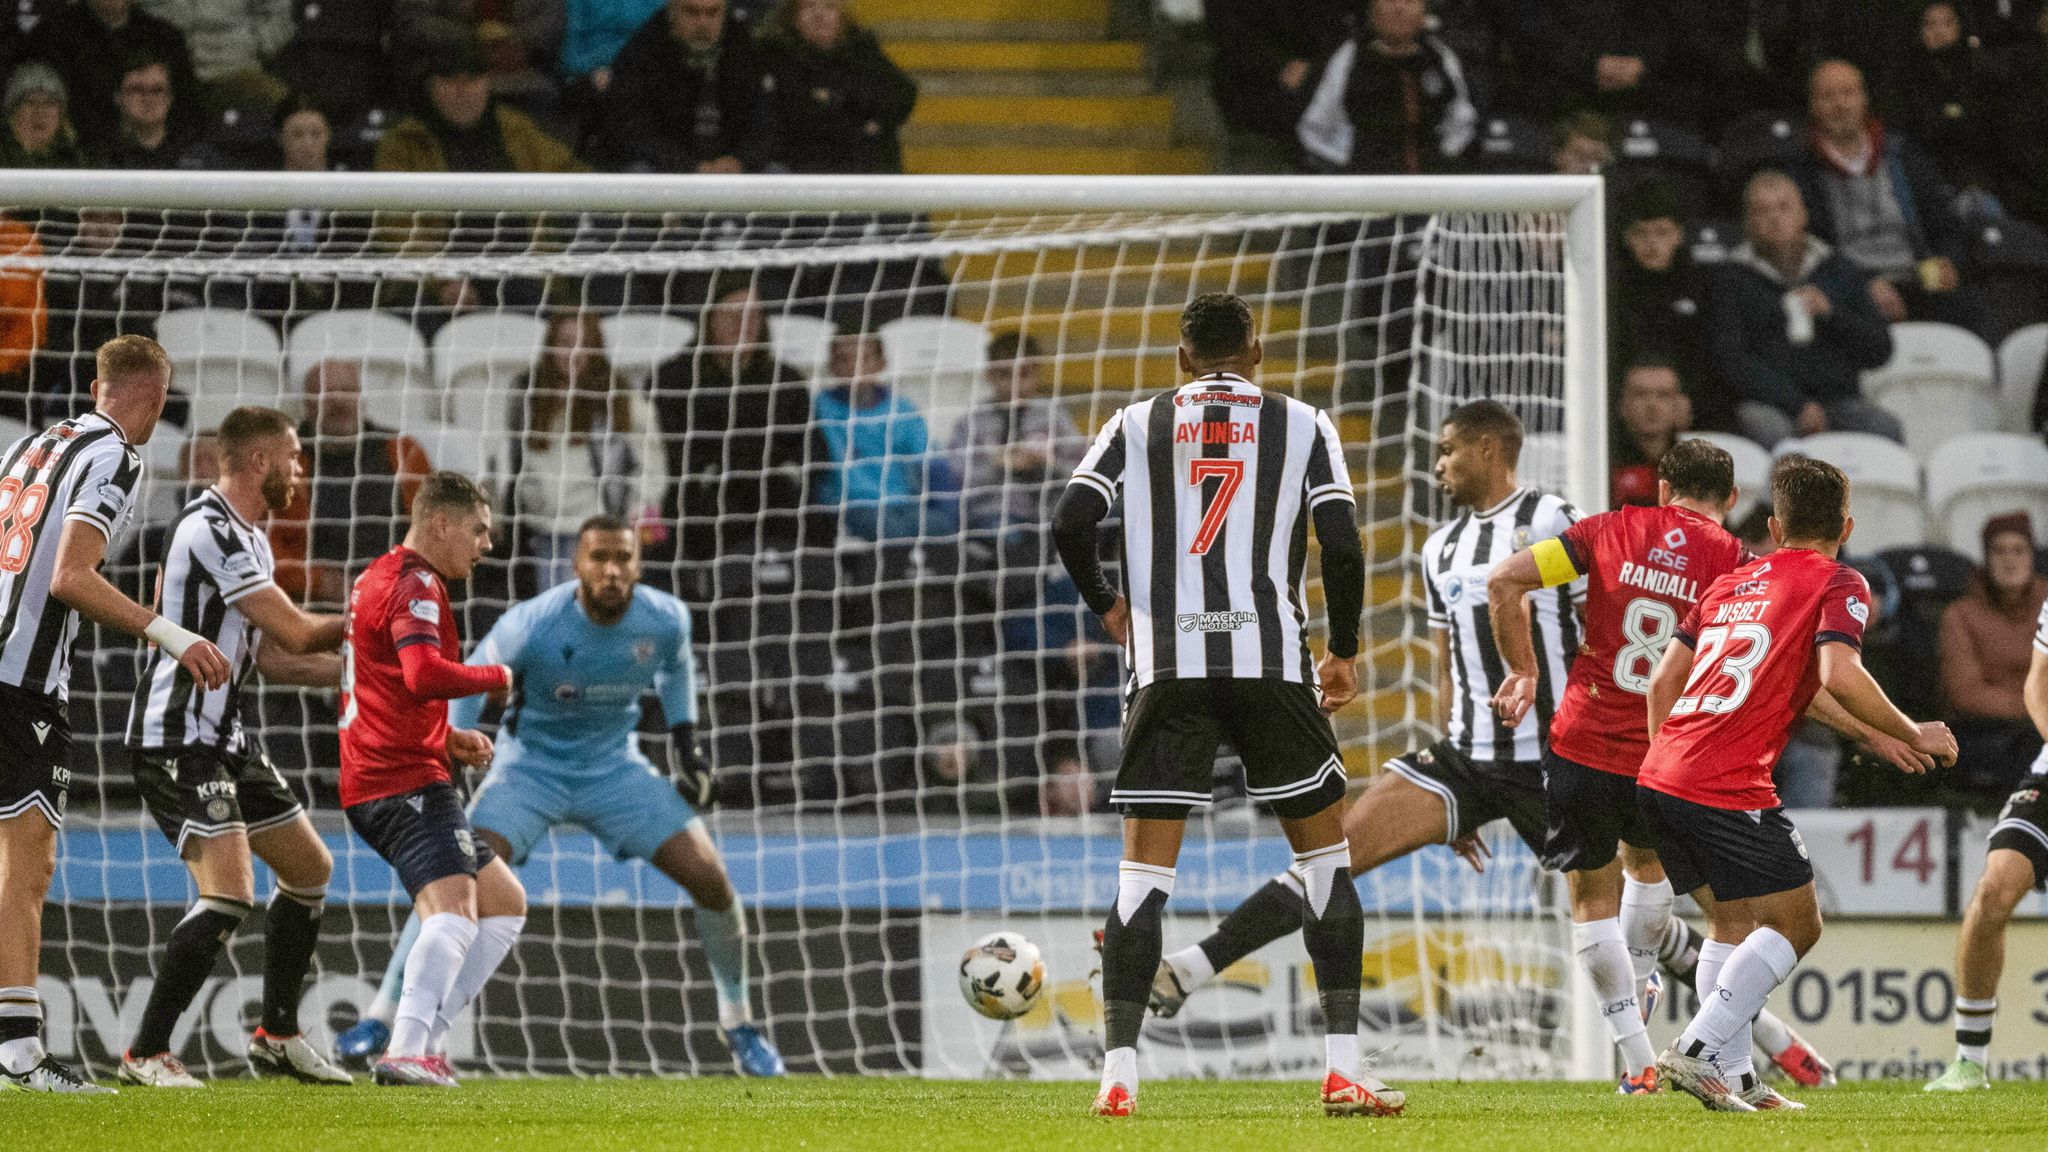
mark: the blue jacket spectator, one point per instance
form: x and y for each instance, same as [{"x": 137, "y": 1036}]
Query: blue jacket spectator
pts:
[
  {"x": 1794, "y": 325},
  {"x": 596, "y": 30},
  {"x": 877, "y": 449}
]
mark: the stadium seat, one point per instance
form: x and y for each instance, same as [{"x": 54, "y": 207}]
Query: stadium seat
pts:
[
  {"x": 640, "y": 342},
  {"x": 1512, "y": 144},
  {"x": 2020, "y": 359},
  {"x": 1713, "y": 240},
  {"x": 1543, "y": 461},
  {"x": 12, "y": 430},
  {"x": 398, "y": 389},
  {"x": 222, "y": 359},
  {"x": 1940, "y": 382},
  {"x": 802, "y": 342},
  {"x": 1756, "y": 141},
  {"x": 1973, "y": 478},
  {"x": 1884, "y": 482},
  {"x": 936, "y": 362},
  {"x": 1666, "y": 145},
  {"x": 479, "y": 361},
  {"x": 1752, "y": 468}
]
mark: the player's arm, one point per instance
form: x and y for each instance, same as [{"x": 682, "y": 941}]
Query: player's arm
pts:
[
  {"x": 1075, "y": 520},
  {"x": 2035, "y": 692},
  {"x": 675, "y": 685},
  {"x": 416, "y": 637},
  {"x": 1444, "y": 703},
  {"x": 1846, "y": 679},
  {"x": 280, "y": 665},
  {"x": 1335, "y": 512},
  {"x": 78, "y": 583},
  {"x": 1827, "y": 710},
  {"x": 1667, "y": 683},
  {"x": 292, "y": 628},
  {"x": 1545, "y": 564}
]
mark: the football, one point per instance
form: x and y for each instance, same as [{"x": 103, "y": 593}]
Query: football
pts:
[{"x": 1002, "y": 976}]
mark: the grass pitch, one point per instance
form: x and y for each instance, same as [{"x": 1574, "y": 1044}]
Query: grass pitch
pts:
[{"x": 881, "y": 1115}]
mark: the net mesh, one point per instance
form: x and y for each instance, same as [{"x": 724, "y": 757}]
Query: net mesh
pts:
[{"x": 913, "y": 720}]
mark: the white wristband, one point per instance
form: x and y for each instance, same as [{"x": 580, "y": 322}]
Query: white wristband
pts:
[{"x": 169, "y": 637}]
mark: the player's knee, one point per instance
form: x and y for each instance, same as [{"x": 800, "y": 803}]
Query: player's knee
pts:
[
  {"x": 2008, "y": 877},
  {"x": 309, "y": 867},
  {"x": 27, "y": 869}
]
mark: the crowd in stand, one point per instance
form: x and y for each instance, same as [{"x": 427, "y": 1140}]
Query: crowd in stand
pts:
[{"x": 450, "y": 86}]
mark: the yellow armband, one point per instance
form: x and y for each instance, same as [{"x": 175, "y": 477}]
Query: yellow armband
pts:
[{"x": 1554, "y": 562}]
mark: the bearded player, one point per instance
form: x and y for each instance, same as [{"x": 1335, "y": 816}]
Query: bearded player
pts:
[
  {"x": 1739, "y": 673},
  {"x": 401, "y": 664},
  {"x": 1644, "y": 569}
]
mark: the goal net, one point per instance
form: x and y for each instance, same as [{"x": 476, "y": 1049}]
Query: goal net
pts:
[{"x": 838, "y": 413}]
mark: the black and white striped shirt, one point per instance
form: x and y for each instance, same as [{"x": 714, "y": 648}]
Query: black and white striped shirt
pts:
[
  {"x": 1457, "y": 559},
  {"x": 82, "y": 469},
  {"x": 1218, "y": 479},
  {"x": 216, "y": 558},
  {"x": 2040, "y": 767}
]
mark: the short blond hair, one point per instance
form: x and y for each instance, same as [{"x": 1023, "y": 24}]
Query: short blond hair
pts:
[{"x": 130, "y": 355}]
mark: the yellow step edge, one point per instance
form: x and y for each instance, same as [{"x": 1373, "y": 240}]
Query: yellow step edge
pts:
[
  {"x": 1000, "y": 160},
  {"x": 1219, "y": 269},
  {"x": 1077, "y": 112},
  {"x": 1090, "y": 12},
  {"x": 1016, "y": 55}
]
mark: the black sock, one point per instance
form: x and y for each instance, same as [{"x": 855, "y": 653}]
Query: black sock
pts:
[
  {"x": 1335, "y": 942},
  {"x": 1265, "y": 916},
  {"x": 188, "y": 960},
  {"x": 291, "y": 929},
  {"x": 1686, "y": 964},
  {"x": 1130, "y": 958}
]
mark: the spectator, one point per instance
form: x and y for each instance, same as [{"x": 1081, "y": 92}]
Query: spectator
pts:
[
  {"x": 838, "y": 99},
  {"x": 463, "y": 128},
  {"x": 91, "y": 42},
  {"x": 232, "y": 43},
  {"x": 147, "y": 137},
  {"x": 1880, "y": 201},
  {"x": 1793, "y": 326},
  {"x": 1266, "y": 55},
  {"x": 594, "y": 32},
  {"x": 519, "y": 38},
  {"x": 24, "y": 322},
  {"x": 738, "y": 434},
  {"x": 39, "y": 133},
  {"x": 686, "y": 95},
  {"x": 1012, "y": 453},
  {"x": 876, "y": 462},
  {"x": 1651, "y": 415},
  {"x": 589, "y": 444},
  {"x": 360, "y": 481},
  {"x": 1396, "y": 104},
  {"x": 303, "y": 136},
  {"x": 1985, "y": 650},
  {"x": 1584, "y": 145},
  {"x": 1945, "y": 97},
  {"x": 1616, "y": 57},
  {"x": 338, "y": 52},
  {"x": 1660, "y": 300}
]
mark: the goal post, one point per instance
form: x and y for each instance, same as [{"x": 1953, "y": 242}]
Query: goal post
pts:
[{"x": 912, "y": 724}]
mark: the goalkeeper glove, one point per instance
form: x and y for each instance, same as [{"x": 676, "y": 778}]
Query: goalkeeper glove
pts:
[{"x": 688, "y": 768}]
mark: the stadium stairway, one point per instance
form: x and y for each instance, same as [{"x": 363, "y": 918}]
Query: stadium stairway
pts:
[{"x": 1027, "y": 86}]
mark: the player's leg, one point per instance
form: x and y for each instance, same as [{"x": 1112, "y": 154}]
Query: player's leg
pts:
[
  {"x": 500, "y": 917},
  {"x": 28, "y": 858},
  {"x": 219, "y": 863},
  {"x": 286, "y": 841},
  {"x": 2009, "y": 874},
  {"x": 1583, "y": 817},
  {"x": 1131, "y": 945},
  {"x": 366, "y": 1039},
  {"x": 1395, "y": 816},
  {"x": 448, "y": 913}
]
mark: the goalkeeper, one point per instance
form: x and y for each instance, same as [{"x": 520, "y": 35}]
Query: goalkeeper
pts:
[{"x": 582, "y": 655}]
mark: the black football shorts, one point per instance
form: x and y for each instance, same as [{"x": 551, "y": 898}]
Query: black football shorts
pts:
[{"x": 1175, "y": 727}]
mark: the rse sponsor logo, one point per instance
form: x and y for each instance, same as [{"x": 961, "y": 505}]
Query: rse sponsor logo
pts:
[
  {"x": 1187, "y": 398},
  {"x": 1664, "y": 558},
  {"x": 427, "y": 610},
  {"x": 1215, "y": 621},
  {"x": 1675, "y": 539},
  {"x": 1216, "y": 432}
]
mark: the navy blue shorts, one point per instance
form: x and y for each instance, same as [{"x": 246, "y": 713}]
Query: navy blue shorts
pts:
[
  {"x": 1587, "y": 815},
  {"x": 1737, "y": 854},
  {"x": 424, "y": 835}
]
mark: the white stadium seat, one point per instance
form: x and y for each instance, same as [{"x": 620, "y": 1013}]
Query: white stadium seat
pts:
[
  {"x": 1940, "y": 382},
  {"x": 398, "y": 389},
  {"x": 12, "y": 430},
  {"x": 1884, "y": 487},
  {"x": 480, "y": 360},
  {"x": 936, "y": 362},
  {"x": 223, "y": 359},
  {"x": 1752, "y": 468},
  {"x": 1543, "y": 461},
  {"x": 803, "y": 343},
  {"x": 2020, "y": 360},
  {"x": 1973, "y": 478},
  {"x": 640, "y": 342}
]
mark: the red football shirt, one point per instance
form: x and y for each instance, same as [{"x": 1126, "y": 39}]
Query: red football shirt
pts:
[
  {"x": 1645, "y": 569},
  {"x": 392, "y": 740},
  {"x": 1754, "y": 673}
]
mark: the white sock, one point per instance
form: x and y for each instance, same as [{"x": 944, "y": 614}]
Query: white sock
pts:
[
  {"x": 1645, "y": 915},
  {"x": 495, "y": 936},
  {"x": 1606, "y": 961},
  {"x": 1771, "y": 1033},
  {"x": 1340, "y": 1053},
  {"x": 1191, "y": 967},
  {"x": 1713, "y": 958},
  {"x": 1135, "y": 881},
  {"x": 1973, "y": 1019},
  {"x": 1317, "y": 872},
  {"x": 21, "y": 1002},
  {"x": 1120, "y": 1066},
  {"x": 1756, "y": 967},
  {"x": 430, "y": 974}
]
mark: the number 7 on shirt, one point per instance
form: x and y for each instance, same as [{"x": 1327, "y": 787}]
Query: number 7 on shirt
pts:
[{"x": 1231, "y": 472}]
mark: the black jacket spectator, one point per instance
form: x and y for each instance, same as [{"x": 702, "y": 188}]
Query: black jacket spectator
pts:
[
  {"x": 1612, "y": 56},
  {"x": 1256, "y": 42},
  {"x": 1659, "y": 300},
  {"x": 92, "y": 55},
  {"x": 675, "y": 108},
  {"x": 837, "y": 106},
  {"x": 1386, "y": 105}
]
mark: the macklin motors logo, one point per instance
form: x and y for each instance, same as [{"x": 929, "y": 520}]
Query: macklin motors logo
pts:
[{"x": 1215, "y": 621}]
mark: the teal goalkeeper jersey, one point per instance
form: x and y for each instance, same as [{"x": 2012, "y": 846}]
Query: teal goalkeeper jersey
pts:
[{"x": 576, "y": 685}]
